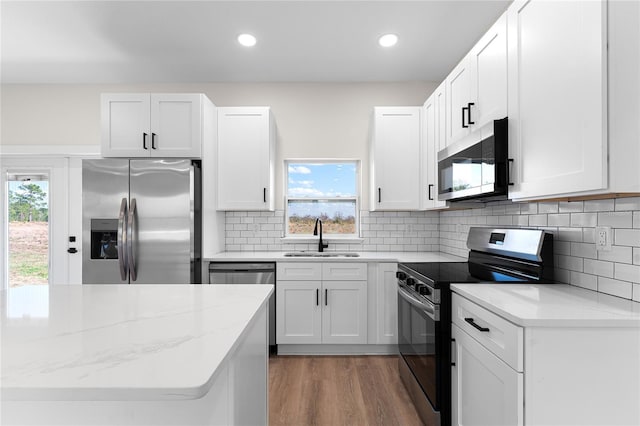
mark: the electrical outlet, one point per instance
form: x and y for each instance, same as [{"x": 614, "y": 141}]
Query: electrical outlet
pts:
[{"x": 603, "y": 238}]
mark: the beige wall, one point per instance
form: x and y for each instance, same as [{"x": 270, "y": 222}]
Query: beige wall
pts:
[{"x": 315, "y": 120}]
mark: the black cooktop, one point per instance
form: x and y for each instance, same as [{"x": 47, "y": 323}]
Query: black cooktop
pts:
[
  {"x": 465, "y": 272},
  {"x": 450, "y": 272}
]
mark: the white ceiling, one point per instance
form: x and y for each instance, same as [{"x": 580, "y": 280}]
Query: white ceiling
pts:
[{"x": 184, "y": 42}]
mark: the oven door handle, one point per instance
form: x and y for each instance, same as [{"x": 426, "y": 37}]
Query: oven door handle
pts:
[{"x": 427, "y": 307}]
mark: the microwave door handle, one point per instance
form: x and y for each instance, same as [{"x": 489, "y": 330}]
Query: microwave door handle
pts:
[
  {"x": 122, "y": 240},
  {"x": 132, "y": 232},
  {"x": 428, "y": 308}
]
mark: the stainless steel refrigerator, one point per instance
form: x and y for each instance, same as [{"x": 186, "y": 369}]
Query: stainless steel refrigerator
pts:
[{"x": 141, "y": 221}]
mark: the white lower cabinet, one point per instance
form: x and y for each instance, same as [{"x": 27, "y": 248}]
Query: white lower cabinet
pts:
[
  {"x": 330, "y": 310},
  {"x": 385, "y": 314},
  {"x": 560, "y": 370},
  {"x": 485, "y": 390},
  {"x": 298, "y": 312}
]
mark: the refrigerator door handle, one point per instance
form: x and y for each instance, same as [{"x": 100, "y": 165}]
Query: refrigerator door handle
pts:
[
  {"x": 132, "y": 232},
  {"x": 122, "y": 240}
]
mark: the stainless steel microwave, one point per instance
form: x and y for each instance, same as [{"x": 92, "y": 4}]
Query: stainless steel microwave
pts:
[{"x": 476, "y": 168}]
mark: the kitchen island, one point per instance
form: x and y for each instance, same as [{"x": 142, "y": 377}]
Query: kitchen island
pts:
[{"x": 134, "y": 355}]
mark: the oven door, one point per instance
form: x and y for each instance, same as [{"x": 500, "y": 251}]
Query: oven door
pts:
[{"x": 420, "y": 342}]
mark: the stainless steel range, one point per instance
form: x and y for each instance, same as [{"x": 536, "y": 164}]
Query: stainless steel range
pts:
[{"x": 424, "y": 306}]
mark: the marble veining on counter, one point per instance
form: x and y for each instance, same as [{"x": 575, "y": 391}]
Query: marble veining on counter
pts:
[
  {"x": 120, "y": 342},
  {"x": 552, "y": 305},
  {"x": 363, "y": 256}
]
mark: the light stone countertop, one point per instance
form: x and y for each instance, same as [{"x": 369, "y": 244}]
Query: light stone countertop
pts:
[
  {"x": 364, "y": 256},
  {"x": 552, "y": 305},
  {"x": 120, "y": 342}
]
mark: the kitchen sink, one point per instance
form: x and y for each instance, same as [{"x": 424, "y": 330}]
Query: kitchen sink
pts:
[{"x": 318, "y": 254}]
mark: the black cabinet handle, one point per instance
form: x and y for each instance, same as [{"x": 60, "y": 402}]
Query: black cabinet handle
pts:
[
  {"x": 144, "y": 140},
  {"x": 453, "y": 345},
  {"x": 463, "y": 125},
  {"x": 72, "y": 250},
  {"x": 476, "y": 326},
  {"x": 509, "y": 164},
  {"x": 379, "y": 195},
  {"x": 430, "y": 187},
  {"x": 469, "y": 105},
  {"x": 153, "y": 141},
  {"x": 264, "y": 194},
  {"x": 317, "y": 297},
  {"x": 326, "y": 299}
]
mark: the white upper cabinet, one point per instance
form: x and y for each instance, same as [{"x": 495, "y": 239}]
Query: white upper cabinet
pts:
[
  {"x": 440, "y": 104},
  {"x": 246, "y": 155},
  {"x": 395, "y": 159},
  {"x": 557, "y": 97},
  {"x": 488, "y": 65},
  {"x": 430, "y": 148},
  {"x": 476, "y": 89},
  {"x": 152, "y": 125},
  {"x": 458, "y": 88}
]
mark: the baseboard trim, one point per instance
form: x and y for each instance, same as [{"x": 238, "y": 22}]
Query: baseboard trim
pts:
[{"x": 337, "y": 349}]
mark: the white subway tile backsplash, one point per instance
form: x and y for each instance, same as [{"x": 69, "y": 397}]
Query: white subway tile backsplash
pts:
[
  {"x": 583, "y": 280},
  {"x": 616, "y": 219},
  {"x": 559, "y": 219},
  {"x": 615, "y": 287},
  {"x": 547, "y": 208},
  {"x": 626, "y": 272},
  {"x": 627, "y": 237},
  {"x": 599, "y": 205},
  {"x": 598, "y": 267},
  {"x": 577, "y": 262},
  {"x": 571, "y": 206},
  {"x": 584, "y": 219},
  {"x": 617, "y": 254},
  {"x": 584, "y": 250},
  {"x": 632, "y": 203},
  {"x": 570, "y": 234}
]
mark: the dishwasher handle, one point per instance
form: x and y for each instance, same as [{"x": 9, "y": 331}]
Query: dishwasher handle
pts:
[{"x": 241, "y": 267}]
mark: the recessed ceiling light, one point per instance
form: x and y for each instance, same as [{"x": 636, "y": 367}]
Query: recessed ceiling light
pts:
[
  {"x": 388, "y": 40},
  {"x": 247, "y": 40}
]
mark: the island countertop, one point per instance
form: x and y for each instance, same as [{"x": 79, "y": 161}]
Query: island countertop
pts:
[{"x": 120, "y": 342}]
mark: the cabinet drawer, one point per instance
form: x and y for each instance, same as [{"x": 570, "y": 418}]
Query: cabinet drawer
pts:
[
  {"x": 298, "y": 271},
  {"x": 344, "y": 271},
  {"x": 500, "y": 336}
]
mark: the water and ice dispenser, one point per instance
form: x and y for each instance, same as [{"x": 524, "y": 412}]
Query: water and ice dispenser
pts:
[{"x": 104, "y": 238}]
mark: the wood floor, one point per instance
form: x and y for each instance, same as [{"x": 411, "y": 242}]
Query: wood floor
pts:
[{"x": 338, "y": 390}]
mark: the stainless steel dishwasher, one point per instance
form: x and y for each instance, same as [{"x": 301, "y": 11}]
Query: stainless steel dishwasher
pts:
[{"x": 249, "y": 273}]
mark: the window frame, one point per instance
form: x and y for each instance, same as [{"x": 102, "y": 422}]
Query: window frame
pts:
[{"x": 356, "y": 198}]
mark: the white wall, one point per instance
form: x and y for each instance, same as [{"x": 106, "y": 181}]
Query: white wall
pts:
[{"x": 314, "y": 120}]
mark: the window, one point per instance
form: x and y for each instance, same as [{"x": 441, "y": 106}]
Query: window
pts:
[{"x": 322, "y": 189}]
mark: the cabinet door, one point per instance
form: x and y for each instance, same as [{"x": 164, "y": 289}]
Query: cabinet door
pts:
[
  {"x": 395, "y": 156},
  {"x": 344, "y": 312},
  {"x": 458, "y": 88},
  {"x": 557, "y": 97},
  {"x": 429, "y": 169},
  {"x": 244, "y": 159},
  {"x": 484, "y": 390},
  {"x": 488, "y": 61},
  {"x": 440, "y": 103},
  {"x": 298, "y": 312},
  {"x": 176, "y": 125},
  {"x": 386, "y": 304},
  {"x": 125, "y": 120}
]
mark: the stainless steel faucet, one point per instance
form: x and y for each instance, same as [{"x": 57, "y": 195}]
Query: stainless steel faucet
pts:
[{"x": 321, "y": 245}]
